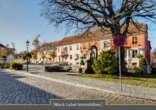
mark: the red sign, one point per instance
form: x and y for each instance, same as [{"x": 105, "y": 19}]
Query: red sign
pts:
[{"x": 119, "y": 41}]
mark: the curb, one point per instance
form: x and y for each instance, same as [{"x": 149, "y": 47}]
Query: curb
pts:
[{"x": 81, "y": 85}]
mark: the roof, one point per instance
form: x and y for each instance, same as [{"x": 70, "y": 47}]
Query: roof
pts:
[
  {"x": 97, "y": 34},
  {"x": 50, "y": 45},
  {"x": 1, "y": 45}
]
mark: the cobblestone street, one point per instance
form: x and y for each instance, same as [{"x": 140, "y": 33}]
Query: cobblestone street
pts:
[{"x": 17, "y": 88}]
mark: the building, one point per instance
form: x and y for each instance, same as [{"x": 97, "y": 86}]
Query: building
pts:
[
  {"x": 10, "y": 58},
  {"x": 77, "y": 46}
]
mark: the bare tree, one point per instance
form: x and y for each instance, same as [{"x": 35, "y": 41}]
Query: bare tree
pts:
[
  {"x": 36, "y": 43},
  {"x": 107, "y": 15},
  {"x": 1, "y": 52}
]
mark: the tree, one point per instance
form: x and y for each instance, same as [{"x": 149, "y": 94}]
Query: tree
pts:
[
  {"x": 36, "y": 43},
  {"x": 53, "y": 54},
  {"x": 139, "y": 56},
  {"x": 105, "y": 63},
  {"x": 42, "y": 55},
  {"x": 27, "y": 55},
  {"x": 109, "y": 16},
  {"x": 142, "y": 63},
  {"x": 64, "y": 53},
  {"x": 34, "y": 54},
  {"x": 1, "y": 52},
  {"x": 8, "y": 51}
]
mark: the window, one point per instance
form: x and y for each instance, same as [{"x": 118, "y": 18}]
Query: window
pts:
[
  {"x": 70, "y": 57},
  {"x": 134, "y": 40},
  {"x": 40, "y": 53},
  {"x": 105, "y": 44},
  {"x": 134, "y": 53},
  {"x": 77, "y": 47},
  {"x": 77, "y": 63},
  {"x": 40, "y": 58},
  {"x": 61, "y": 48},
  {"x": 66, "y": 49},
  {"x": 125, "y": 41},
  {"x": 77, "y": 55},
  {"x": 46, "y": 58},
  {"x": 46, "y": 52},
  {"x": 125, "y": 53},
  {"x": 90, "y": 44},
  {"x": 84, "y": 56},
  {"x": 134, "y": 64},
  {"x": 59, "y": 59},
  {"x": 70, "y": 48},
  {"x": 84, "y": 46},
  {"x": 49, "y": 52},
  {"x": 58, "y": 49},
  {"x": 96, "y": 44}
]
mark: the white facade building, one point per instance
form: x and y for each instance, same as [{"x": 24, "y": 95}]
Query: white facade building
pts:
[{"x": 73, "y": 51}]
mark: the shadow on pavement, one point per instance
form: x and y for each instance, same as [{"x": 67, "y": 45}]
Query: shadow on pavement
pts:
[{"x": 13, "y": 91}]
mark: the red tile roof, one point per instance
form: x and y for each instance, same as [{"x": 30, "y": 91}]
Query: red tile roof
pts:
[{"x": 98, "y": 34}]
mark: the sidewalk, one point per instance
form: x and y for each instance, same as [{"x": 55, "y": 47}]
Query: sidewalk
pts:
[{"x": 112, "y": 87}]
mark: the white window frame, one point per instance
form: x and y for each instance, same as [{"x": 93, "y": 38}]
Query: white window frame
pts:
[
  {"x": 97, "y": 44},
  {"x": 70, "y": 48},
  {"x": 70, "y": 57},
  {"x": 84, "y": 46},
  {"x": 105, "y": 44},
  {"x": 134, "y": 40},
  {"x": 134, "y": 53}
]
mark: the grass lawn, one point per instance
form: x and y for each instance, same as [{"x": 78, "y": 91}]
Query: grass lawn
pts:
[{"x": 146, "y": 80}]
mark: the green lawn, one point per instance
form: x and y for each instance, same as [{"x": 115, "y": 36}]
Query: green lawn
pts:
[{"x": 146, "y": 80}]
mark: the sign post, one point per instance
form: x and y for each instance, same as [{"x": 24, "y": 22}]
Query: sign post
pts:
[{"x": 119, "y": 41}]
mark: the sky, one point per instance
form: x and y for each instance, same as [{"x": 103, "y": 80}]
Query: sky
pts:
[{"x": 20, "y": 21}]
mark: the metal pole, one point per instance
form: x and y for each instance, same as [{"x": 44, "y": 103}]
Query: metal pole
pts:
[
  {"x": 120, "y": 69},
  {"x": 27, "y": 60}
]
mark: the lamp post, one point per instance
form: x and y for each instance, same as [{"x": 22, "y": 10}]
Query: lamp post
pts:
[
  {"x": 27, "y": 43},
  {"x": 139, "y": 46}
]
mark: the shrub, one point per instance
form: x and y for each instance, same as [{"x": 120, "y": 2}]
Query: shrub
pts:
[
  {"x": 13, "y": 65},
  {"x": 7, "y": 66},
  {"x": 82, "y": 57},
  {"x": 19, "y": 66},
  {"x": 105, "y": 63},
  {"x": 142, "y": 62},
  {"x": 81, "y": 63}
]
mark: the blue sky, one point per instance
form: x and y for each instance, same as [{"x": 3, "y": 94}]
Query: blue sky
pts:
[{"x": 20, "y": 21}]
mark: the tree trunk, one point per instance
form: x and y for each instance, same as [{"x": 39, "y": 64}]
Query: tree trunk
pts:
[{"x": 122, "y": 53}]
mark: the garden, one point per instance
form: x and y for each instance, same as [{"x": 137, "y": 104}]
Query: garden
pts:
[
  {"x": 105, "y": 69},
  {"x": 12, "y": 66}
]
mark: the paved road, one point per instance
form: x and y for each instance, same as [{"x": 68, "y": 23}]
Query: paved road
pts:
[{"x": 17, "y": 88}]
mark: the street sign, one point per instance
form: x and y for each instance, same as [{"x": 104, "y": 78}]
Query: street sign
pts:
[{"x": 119, "y": 41}]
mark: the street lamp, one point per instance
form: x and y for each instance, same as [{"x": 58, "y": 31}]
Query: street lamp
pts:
[
  {"x": 139, "y": 46},
  {"x": 27, "y": 43}
]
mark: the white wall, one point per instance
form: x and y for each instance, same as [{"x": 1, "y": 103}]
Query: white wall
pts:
[{"x": 73, "y": 52}]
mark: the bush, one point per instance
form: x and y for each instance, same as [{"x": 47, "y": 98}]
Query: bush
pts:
[
  {"x": 13, "y": 65},
  {"x": 19, "y": 66},
  {"x": 7, "y": 66},
  {"x": 142, "y": 62},
  {"x": 82, "y": 57},
  {"x": 81, "y": 63},
  {"x": 105, "y": 63}
]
